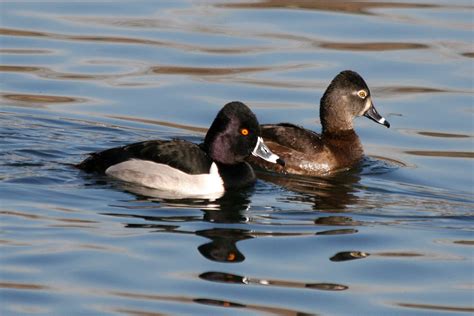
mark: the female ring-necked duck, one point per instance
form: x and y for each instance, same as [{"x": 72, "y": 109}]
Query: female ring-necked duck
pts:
[
  {"x": 338, "y": 146},
  {"x": 216, "y": 165}
]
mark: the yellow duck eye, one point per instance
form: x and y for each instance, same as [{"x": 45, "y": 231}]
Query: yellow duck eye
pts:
[
  {"x": 244, "y": 131},
  {"x": 362, "y": 94}
]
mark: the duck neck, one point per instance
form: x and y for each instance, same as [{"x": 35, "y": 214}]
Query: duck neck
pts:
[
  {"x": 346, "y": 145},
  {"x": 334, "y": 117},
  {"x": 334, "y": 130},
  {"x": 337, "y": 127},
  {"x": 339, "y": 134},
  {"x": 236, "y": 176},
  {"x": 334, "y": 123}
]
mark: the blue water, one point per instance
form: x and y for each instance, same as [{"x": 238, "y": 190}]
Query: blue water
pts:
[{"x": 392, "y": 236}]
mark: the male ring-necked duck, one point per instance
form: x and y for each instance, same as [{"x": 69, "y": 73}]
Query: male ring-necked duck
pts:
[
  {"x": 216, "y": 165},
  {"x": 338, "y": 146}
]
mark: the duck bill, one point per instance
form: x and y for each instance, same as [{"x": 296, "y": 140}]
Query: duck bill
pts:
[
  {"x": 262, "y": 151},
  {"x": 375, "y": 116}
]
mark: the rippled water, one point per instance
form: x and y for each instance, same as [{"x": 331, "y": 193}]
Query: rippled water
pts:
[{"x": 394, "y": 235}]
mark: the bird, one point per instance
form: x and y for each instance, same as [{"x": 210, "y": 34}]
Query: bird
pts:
[
  {"x": 185, "y": 168},
  {"x": 337, "y": 147}
]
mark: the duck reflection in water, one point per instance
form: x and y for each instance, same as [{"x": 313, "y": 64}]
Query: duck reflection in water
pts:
[
  {"x": 228, "y": 209},
  {"x": 327, "y": 195},
  {"x": 330, "y": 193},
  {"x": 224, "y": 277},
  {"x": 223, "y": 245}
]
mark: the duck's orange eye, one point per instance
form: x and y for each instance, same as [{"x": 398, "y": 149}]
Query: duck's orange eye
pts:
[
  {"x": 244, "y": 131},
  {"x": 231, "y": 256}
]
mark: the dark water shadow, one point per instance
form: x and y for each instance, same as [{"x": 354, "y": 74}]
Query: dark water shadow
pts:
[
  {"x": 237, "y": 306},
  {"x": 441, "y": 153},
  {"x": 370, "y": 46},
  {"x": 226, "y": 211},
  {"x": 38, "y": 100},
  {"x": 130, "y": 41},
  {"x": 442, "y": 135},
  {"x": 344, "y": 6},
  {"x": 348, "y": 255},
  {"x": 183, "y": 127},
  {"x": 326, "y": 194},
  {"x": 436, "y": 308},
  {"x": 223, "y": 277},
  {"x": 138, "y": 70},
  {"x": 144, "y": 296}
]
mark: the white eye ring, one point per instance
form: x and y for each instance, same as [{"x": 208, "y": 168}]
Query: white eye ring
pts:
[{"x": 362, "y": 94}]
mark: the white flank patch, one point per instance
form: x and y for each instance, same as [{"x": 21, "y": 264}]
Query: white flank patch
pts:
[{"x": 163, "y": 177}]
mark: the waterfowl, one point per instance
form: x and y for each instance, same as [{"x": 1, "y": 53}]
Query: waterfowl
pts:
[
  {"x": 337, "y": 147},
  {"x": 183, "y": 167}
]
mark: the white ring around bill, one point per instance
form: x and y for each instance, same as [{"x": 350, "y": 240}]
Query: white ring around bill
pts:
[{"x": 262, "y": 151}]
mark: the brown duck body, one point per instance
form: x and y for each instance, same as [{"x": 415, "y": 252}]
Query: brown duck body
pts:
[
  {"x": 308, "y": 153},
  {"x": 338, "y": 147}
]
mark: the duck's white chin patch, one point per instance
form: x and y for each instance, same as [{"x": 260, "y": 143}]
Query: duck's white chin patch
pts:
[
  {"x": 368, "y": 104},
  {"x": 163, "y": 177},
  {"x": 381, "y": 121}
]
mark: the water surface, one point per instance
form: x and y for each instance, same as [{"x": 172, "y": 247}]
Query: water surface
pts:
[{"x": 392, "y": 236}]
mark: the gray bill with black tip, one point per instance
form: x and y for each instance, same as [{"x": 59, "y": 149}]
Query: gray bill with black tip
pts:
[{"x": 375, "y": 116}]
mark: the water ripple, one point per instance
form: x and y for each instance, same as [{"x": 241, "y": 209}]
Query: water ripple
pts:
[
  {"x": 223, "y": 277},
  {"x": 437, "y": 308},
  {"x": 372, "y": 46},
  {"x": 204, "y": 301},
  {"x": 440, "y": 153},
  {"x": 339, "y": 6},
  {"x": 82, "y": 77},
  {"x": 129, "y": 41}
]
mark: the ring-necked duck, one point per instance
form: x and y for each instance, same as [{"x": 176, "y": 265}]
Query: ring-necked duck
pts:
[
  {"x": 186, "y": 168},
  {"x": 338, "y": 146}
]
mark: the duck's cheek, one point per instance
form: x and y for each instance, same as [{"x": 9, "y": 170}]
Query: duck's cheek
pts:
[
  {"x": 247, "y": 147},
  {"x": 220, "y": 150},
  {"x": 367, "y": 105},
  {"x": 241, "y": 147}
]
